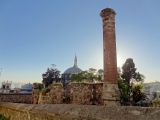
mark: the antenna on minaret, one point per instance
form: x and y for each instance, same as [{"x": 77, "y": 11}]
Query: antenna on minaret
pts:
[{"x": 75, "y": 61}]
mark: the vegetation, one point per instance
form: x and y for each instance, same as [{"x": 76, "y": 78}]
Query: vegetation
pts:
[
  {"x": 57, "y": 83},
  {"x": 130, "y": 76},
  {"x": 66, "y": 99},
  {"x": 2, "y": 117},
  {"x": 91, "y": 75},
  {"x": 123, "y": 87},
  {"x": 154, "y": 95},
  {"x": 137, "y": 94},
  {"x": 52, "y": 74},
  {"x": 130, "y": 83},
  {"x": 37, "y": 91},
  {"x": 45, "y": 90}
]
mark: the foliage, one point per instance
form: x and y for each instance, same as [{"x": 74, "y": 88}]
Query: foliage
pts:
[
  {"x": 137, "y": 94},
  {"x": 65, "y": 99},
  {"x": 57, "y": 83},
  {"x": 119, "y": 72},
  {"x": 157, "y": 104},
  {"x": 130, "y": 76},
  {"x": 37, "y": 91},
  {"x": 154, "y": 95},
  {"x": 88, "y": 76},
  {"x": 2, "y": 117},
  {"x": 45, "y": 90},
  {"x": 123, "y": 87},
  {"x": 52, "y": 74}
]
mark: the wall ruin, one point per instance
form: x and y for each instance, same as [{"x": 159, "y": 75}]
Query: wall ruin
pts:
[
  {"x": 19, "y": 111},
  {"x": 74, "y": 93},
  {"x": 16, "y": 98}
]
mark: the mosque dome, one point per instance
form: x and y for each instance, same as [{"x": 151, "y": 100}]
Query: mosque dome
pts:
[
  {"x": 27, "y": 87},
  {"x": 73, "y": 69}
]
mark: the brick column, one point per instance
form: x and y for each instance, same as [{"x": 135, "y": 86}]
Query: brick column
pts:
[{"x": 110, "y": 85}]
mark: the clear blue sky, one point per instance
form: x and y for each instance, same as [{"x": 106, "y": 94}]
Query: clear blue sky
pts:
[{"x": 37, "y": 33}]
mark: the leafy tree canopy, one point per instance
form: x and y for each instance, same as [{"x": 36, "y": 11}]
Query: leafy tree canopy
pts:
[
  {"x": 130, "y": 82},
  {"x": 88, "y": 76},
  {"x": 52, "y": 74}
]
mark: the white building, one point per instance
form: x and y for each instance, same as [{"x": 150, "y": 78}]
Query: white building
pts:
[
  {"x": 26, "y": 89},
  {"x": 5, "y": 87},
  {"x": 150, "y": 88}
]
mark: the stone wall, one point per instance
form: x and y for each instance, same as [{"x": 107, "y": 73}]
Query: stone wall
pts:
[
  {"x": 86, "y": 93},
  {"x": 76, "y": 112},
  {"x": 74, "y": 93},
  {"x": 55, "y": 96},
  {"x": 16, "y": 98},
  {"x": 37, "y": 87}
]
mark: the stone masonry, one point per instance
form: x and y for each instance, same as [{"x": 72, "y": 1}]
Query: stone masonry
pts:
[
  {"x": 86, "y": 93},
  {"x": 74, "y": 93},
  {"x": 19, "y": 111},
  {"x": 110, "y": 86},
  {"x": 16, "y": 98}
]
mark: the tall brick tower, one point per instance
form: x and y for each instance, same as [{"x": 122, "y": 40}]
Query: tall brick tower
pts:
[{"x": 110, "y": 86}]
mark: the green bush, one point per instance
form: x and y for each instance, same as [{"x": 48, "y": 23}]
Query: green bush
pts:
[
  {"x": 65, "y": 99},
  {"x": 2, "y": 117},
  {"x": 37, "y": 91},
  {"x": 45, "y": 90},
  {"x": 57, "y": 83}
]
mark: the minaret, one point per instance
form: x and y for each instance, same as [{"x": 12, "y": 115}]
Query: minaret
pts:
[
  {"x": 110, "y": 86},
  {"x": 75, "y": 61}
]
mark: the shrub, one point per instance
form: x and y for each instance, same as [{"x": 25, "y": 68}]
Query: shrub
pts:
[
  {"x": 57, "y": 83},
  {"x": 65, "y": 99},
  {"x": 2, "y": 117},
  {"x": 45, "y": 90},
  {"x": 37, "y": 91}
]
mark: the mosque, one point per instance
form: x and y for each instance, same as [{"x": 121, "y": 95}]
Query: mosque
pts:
[{"x": 66, "y": 76}]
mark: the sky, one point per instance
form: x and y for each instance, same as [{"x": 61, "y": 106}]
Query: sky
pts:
[{"x": 35, "y": 34}]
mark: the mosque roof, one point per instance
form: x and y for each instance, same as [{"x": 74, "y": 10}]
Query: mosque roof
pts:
[
  {"x": 73, "y": 69},
  {"x": 27, "y": 86}
]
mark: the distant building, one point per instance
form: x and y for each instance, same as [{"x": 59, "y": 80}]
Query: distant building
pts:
[
  {"x": 66, "y": 76},
  {"x": 26, "y": 89},
  {"x": 5, "y": 87},
  {"x": 150, "y": 88}
]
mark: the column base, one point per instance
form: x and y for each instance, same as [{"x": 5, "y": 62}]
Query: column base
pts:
[{"x": 111, "y": 96}]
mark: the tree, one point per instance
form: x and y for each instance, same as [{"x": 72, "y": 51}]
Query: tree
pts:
[
  {"x": 88, "y": 76},
  {"x": 130, "y": 76},
  {"x": 123, "y": 87},
  {"x": 52, "y": 74},
  {"x": 137, "y": 94},
  {"x": 100, "y": 74},
  {"x": 119, "y": 72},
  {"x": 79, "y": 77}
]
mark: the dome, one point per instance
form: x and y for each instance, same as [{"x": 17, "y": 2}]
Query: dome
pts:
[
  {"x": 27, "y": 86},
  {"x": 72, "y": 70}
]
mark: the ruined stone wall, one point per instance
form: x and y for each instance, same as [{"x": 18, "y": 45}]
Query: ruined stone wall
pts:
[
  {"x": 75, "y": 93},
  {"x": 16, "y": 98},
  {"x": 55, "y": 96},
  {"x": 37, "y": 87},
  {"x": 19, "y": 111},
  {"x": 86, "y": 93}
]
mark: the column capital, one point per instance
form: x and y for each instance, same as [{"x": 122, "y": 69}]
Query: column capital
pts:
[{"x": 107, "y": 12}]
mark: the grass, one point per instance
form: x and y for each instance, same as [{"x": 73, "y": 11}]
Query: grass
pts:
[
  {"x": 2, "y": 117},
  {"x": 45, "y": 90}
]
